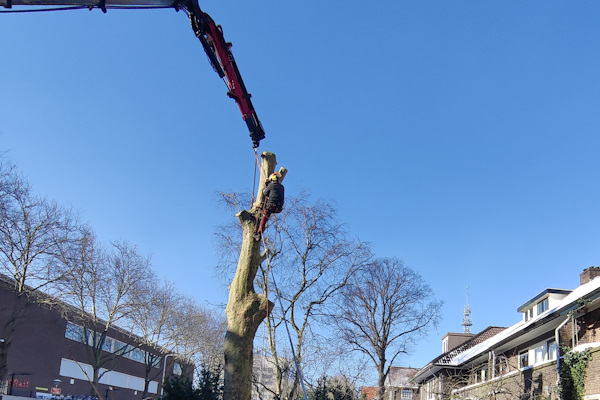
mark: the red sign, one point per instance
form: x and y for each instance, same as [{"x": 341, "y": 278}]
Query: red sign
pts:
[
  {"x": 20, "y": 384},
  {"x": 55, "y": 390}
]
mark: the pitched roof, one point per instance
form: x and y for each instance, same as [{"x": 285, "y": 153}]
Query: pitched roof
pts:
[
  {"x": 400, "y": 376},
  {"x": 368, "y": 392}
]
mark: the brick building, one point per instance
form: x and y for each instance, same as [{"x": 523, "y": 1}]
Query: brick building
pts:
[
  {"x": 522, "y": 361},
  {"x": 49, "y": 354}
]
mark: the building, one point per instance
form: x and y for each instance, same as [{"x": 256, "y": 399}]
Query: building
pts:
[
  {"x": 524, "y": 360},
  {"x": 398, "y": 385},
  {"x": 49, "y": 357},
  {"x": 264, "y": 376}
]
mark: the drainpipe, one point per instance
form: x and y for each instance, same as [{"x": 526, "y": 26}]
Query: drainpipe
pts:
[
  {"x": 557, "y": 341},
  {"x": 162, "y": 383}
]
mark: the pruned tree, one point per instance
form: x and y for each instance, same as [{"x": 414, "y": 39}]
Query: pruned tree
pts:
[
  {"x": 246, "y": 309},
  {"x": 384, "y": 310},
  {"x": 34, "y": 234},
  {"x": 103, "y": 290}
]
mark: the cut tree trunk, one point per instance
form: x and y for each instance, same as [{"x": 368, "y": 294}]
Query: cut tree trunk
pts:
[{"x": 246, "y": 309}]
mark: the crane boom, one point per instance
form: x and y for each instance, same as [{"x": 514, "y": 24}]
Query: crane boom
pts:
[{"x": 205, "y": 29}]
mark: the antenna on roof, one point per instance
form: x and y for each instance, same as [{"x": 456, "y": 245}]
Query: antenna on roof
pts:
[{"x": 467, "y": 323}]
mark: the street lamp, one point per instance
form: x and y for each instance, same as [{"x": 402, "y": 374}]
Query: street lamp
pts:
[{"x": 55, "y": 391}]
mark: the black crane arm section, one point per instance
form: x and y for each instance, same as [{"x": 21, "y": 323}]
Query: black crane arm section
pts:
[{"x": 205, "y": 29}]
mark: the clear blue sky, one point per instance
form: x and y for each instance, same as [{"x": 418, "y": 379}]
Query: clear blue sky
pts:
[{"x": 460, "y": 136}]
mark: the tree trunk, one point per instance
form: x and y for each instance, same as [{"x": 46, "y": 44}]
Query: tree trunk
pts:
[
  {"x": 246, "y": 309},
  {"x": 381, "y": 379}
]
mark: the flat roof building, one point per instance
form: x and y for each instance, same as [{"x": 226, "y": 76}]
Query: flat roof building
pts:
[{"x": 48, "y": 355}]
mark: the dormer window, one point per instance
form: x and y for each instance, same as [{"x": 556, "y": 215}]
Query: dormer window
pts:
[
  {"x": 542, "y": 306},
  {"x": 541, "y": 302}
]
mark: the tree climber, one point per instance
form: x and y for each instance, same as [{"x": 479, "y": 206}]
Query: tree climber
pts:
[{"x": 272, "y": 201}]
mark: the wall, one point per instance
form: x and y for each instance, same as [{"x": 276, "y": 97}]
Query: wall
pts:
[
  {"x": 533, "y": 383},
  {"x": 39, "y": 345}
]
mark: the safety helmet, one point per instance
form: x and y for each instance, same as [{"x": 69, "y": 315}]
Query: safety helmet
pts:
[{"x": 274, "y": 177}]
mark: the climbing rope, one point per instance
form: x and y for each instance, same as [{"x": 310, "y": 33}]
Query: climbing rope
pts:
[
  {"x": 256, "y": 166},
  {"x": 285, "y": 321}
]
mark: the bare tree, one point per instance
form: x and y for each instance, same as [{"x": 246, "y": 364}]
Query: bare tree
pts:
[
  {"x": 152, "y": 321},
  {"x": 312, "y": 258},
  {"x": 34, "y": 234},
  {"x": 383, "y": 312},
  {"x": 198, "y": 335},
  {"x": 103, "y": 289}
]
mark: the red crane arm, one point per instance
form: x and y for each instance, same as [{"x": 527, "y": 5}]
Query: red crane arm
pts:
[
  {"x": 209, "y": 33},
  {"x": 219, "y": 53}
]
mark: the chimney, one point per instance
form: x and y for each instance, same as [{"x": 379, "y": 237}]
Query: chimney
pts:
[
  {"x": 452, "y": 340},
  {"x": 588, "y": 274}
]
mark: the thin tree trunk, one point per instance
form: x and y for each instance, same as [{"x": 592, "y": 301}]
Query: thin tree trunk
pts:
[
  {"x": 381, "y": 379},
  {"x": 246, "y": 309}
]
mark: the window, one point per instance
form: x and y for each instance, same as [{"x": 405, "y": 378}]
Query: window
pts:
[
  {"x": 120, "y": 348},
  {"x": 406, "y": 394},
  {"x": 431, "y": 390},
  {"x": 538, "y": 355},
  {"x": 524, "y": 359},
  {"x": 542, "y": 306},
  {"x": 138, "y": 355},
  {"x": 79, "y": 334},
  {"x": 481, "y": 375},
  {"x": 177, "y": 369},
  {"x": 503, "y": 365},
  {"x": 74, "y": 332},
  {"x": 108, "y": 344},
  {"x": 552, "y": 350}
]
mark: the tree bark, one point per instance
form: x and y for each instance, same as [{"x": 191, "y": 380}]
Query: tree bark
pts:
[{"x": 246, "y": 309}]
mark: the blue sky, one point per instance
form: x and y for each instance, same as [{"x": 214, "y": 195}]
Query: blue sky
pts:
[{"x": 459, "y": 136}]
